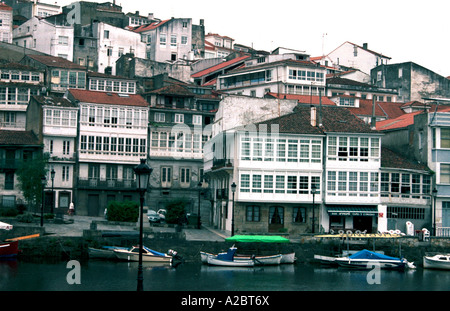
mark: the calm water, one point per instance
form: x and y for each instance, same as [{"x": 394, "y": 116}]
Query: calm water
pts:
[{"x": 96, "y": 275}]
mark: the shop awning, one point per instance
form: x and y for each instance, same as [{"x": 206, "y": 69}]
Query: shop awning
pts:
[{"x": 352, "y": 211}]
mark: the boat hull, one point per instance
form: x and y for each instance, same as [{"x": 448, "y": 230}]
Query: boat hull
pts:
[
  {"x": 230, "y": 263},
  {"x": 262, "y": 260},
  {"x": 9, "y": 249},
  {"x": 126, "y": 255},
  {"x": 106, "y": 252},
  {"x": 435, "y": 263},
  {"x": 370, "y": 263}
]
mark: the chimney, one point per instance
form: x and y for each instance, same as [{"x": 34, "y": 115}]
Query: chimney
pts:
[
  {"x": 373, "y": 121},
  {"x": 313, "y": 116},
  {"x": 365, "y": 46}
]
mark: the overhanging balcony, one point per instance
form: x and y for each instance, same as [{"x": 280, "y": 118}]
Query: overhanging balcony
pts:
[{"x": 106, "y": 184}]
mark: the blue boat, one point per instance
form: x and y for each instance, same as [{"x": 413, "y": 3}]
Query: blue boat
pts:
[{"x": 366, "y": 259}]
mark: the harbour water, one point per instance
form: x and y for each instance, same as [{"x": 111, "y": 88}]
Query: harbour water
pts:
[{"x": 96, "y": 275}]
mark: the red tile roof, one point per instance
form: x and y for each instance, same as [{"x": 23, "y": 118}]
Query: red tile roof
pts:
[
  {"x": 303, "y": 99},
  {"x": 5, "y": 7},
  {"x": 334, "y": 120},
  {"x": 54, "y": 61},
  {"x": 27, "y": 138},
  {"x": 150, "y": 26},
  {"x": 392, "y": 159},
  {"x": 399, "y": 122},
  {"x": 108, "y": 98},
  {"x": 219, "y": 66}
]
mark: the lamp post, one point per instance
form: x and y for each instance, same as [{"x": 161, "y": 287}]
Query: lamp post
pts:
[
  {"x": 233, "y": 190},
  {"x": 199, "y": 185},
  {"x": 44, "y": 183},
  {"x": 142, "y": 172},
  {"x": 52, "y": 175},
  {"x": 434, "y": 211},
  {"x": 313, "y": 191}
]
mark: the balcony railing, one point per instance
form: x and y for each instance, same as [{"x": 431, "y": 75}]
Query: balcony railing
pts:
[
  {"x": 106, "y": 184},
  {"x": 443, "y": 232}
]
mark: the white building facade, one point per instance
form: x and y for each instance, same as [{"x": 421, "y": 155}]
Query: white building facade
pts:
[
  {"x": 112, "y": 140},
  {"x": 43, "y": 36},
  {"x": 6, "y": 23}
]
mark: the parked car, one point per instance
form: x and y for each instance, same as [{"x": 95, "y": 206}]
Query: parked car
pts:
[
  {"x": 162, "y": 214},
  {"x": 153, "y": 216}
]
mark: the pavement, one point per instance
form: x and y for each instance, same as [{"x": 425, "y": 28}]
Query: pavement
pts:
[{"x": 81, "y": 223}]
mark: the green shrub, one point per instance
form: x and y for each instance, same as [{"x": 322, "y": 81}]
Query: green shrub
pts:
[
  {"x": 26, "y": 218},
  {"x": 127, "y": 211},
  {"x": 9, "y": 212},
  {"x": 176, "y": 209}
]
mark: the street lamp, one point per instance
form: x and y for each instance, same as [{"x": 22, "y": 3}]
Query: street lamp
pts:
[
  {"x": 44, "y": 183},
  {"x": 313, "y": 191},
  {"x": 199, "y": 185},
  {"x": 52, "y": 175},
  {"x": 233, "y": 190},
  {"x": 142, "y": 172},
  {"x": 434, "y": 211}
]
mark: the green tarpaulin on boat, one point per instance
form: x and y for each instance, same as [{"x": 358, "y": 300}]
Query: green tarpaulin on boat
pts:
[{"x": 258, "y": 238}]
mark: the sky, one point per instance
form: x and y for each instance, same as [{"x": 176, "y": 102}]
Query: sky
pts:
[{"x": 412, "y": 30}]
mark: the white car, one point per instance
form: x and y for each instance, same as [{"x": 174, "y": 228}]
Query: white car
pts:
[{"x": 153, "y": 216}]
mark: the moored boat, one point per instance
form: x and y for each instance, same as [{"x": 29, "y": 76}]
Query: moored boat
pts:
[
  {"x": 366, "y": 259},
  {"x": 132, "y": 254},
  {"x": 105, "y": 252},
  {"x": 9, "y": 249},
  {"x": 439, "y": 261},
  {"x": 228, "y": 259}
]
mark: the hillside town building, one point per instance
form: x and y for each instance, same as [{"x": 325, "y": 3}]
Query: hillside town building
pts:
[{"x": 251, "y": 141}]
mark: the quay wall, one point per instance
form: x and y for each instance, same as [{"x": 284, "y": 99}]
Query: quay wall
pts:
[{"x": 68, "y": 248}]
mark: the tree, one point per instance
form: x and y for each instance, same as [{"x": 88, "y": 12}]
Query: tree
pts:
[
  {"x": 176, "y": 210},
  {"x": 127, "y": 211},
  {"x": 29, "y": 175}
]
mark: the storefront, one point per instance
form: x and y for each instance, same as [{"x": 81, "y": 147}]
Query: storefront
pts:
[{"x": 355, "y": 218}]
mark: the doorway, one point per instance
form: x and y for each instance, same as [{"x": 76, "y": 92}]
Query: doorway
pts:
[
  {"x": 93, "y": 205},
  {"x": 362, "y": 223}
]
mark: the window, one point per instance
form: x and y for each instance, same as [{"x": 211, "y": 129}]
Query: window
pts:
[
  {"x": 268, "y": 184},
  {"x": 197, "y": 119},
  {"x": 245, "y": 183},
  {"x": 445, "y": 137},
  {"x": 65, "y": 173},
  {"x": 162, "y": 39},
  {"x": 185, "y": 177},
  {"x": 9, "y": 180},
  {"x": 109, "y": 51},
  {"x": 292, "y": 184},
  {"x": 173, "y": 40},
  {"x": 63, "y": 40},
  {"x": 445, "y": 174},
  {"x": 179, "y": 118},
  {"x": 256, "y": 183},
  {"x": 106, "y": 34},
  {"x": 299, "y": 214},
  {"x": 184, "y": 40},
  {"x": 166, "y": 177},
  {"x": 252, "y": 213},
  {"x": 160, "y": 117}
]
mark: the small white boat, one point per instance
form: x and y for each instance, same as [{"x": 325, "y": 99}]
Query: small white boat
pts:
[
  {"x": 261, "y": 260},
  {"x": 439, "y": 261},
  {"x": 132, "y": 254},
  {"x": 214, "y": 261},
  {"x": 258, "y": 260},
  {"x": 227, "y": 259}
]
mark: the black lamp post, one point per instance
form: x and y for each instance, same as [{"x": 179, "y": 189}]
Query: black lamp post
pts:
[
  {"x": 313, "y": 191},
  {"x": 233, "y": 190},
  {"x": 199, "y": 185},
  {"x": 434, "y": 211},
  {"x": 44, "y": 183},
  {"x": 52, "y": 175},
  {"x": 142, "y": 172}
]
